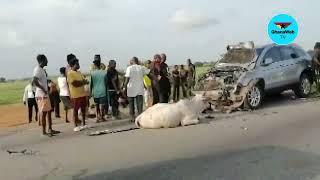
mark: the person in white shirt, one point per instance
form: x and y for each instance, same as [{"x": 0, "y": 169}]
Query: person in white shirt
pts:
[
  {"x": 30, "y": 100},
  {"x": 134, "y": 85},
  {"x": 40, "y": 80},
  {"x": 64, "y": 92}
]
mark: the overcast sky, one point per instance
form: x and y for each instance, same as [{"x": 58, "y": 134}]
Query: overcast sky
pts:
[{"x": 120, "y": 29}]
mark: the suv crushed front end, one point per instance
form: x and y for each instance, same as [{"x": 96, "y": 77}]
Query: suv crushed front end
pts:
[{"x": 227, "y": 83}]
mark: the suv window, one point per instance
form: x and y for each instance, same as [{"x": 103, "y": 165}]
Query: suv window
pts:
[
  {"x": 273, "y": 53},
  {"x": 287, "y": 52}
]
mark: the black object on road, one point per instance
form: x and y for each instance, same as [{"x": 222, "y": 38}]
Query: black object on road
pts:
[{"x": 109, "y": 131}]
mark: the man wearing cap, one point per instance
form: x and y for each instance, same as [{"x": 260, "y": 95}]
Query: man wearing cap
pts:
[
  {"x": 94, "y": 67},
  {"x": 70, "y": 57}
]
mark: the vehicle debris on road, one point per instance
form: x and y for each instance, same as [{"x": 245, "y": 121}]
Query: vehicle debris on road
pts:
[{"x": 23, "y": 152}]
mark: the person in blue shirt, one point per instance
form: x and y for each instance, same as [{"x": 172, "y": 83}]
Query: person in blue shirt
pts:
[{"x": 98, "y": 89}]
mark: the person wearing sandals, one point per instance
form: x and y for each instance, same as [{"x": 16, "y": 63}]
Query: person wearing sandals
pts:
[{"x": 40, "y": 80}]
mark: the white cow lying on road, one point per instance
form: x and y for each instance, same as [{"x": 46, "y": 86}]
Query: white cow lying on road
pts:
[{"x": 184, "y": 113}]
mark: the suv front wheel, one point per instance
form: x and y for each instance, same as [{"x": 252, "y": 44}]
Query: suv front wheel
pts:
[
  {"x": 303, "y": 89},
  {"x": 254, "y": 97}
]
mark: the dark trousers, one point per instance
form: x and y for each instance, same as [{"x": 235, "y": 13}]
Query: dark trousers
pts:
[
  {"x": 176, "y": 92},
  {"x": 164, "y": 97},
  {"x": 32, "y": 103},
  {"x": 113, "y": 100},
  {"x": 155, "y": 92},
  {"x": 139, "y": 102},
  {"x": 184, "y": 87},
  {"x": 55, "y": 103}
]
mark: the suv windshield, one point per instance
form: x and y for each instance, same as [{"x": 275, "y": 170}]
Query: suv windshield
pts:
[{"x": 241, "y": 56}]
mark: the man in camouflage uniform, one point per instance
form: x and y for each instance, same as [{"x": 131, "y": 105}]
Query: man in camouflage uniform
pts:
[{"x": 191, "y": 77}]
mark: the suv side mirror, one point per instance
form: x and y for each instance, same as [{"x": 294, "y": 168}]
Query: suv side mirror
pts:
[{"x": 267, "y": 62}]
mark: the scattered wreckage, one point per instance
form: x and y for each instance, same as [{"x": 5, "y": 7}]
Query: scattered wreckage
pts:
[{"x": 223, "y": 83}]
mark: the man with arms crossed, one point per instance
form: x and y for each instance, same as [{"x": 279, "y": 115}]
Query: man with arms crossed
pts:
[
  {"x": 42, "y": 96},
  {"x": 76, "y": 83}
]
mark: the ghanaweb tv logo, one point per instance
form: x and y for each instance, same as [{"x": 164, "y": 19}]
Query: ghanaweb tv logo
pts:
[{"x": 283, "y": 29}]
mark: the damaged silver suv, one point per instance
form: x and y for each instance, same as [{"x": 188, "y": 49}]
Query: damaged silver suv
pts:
[{"x": 245, "y": 74}]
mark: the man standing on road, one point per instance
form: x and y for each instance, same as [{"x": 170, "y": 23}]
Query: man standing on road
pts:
[
  {"x": 134, "y": 86},
  {"x": 164, "y": 82},
  {"x": 76, "y": 83},
  {"x": 191, "y": 77},
  {"x": 113, "y": 88},
  {"x": 176, "y": 83},
  {"x": 30, "y": 100},
  {"x": 42, "y": 95},
  {"x": 98, "y": 89},
  {"x": 183, "y": 80}
]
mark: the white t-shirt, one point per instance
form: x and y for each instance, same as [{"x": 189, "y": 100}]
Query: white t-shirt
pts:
[
  {"x": 63, "y": 86},
  {"x": 42, "y": 76},
  {"x": 28, "y": 92},
  {"x": 135, "y": 86}
]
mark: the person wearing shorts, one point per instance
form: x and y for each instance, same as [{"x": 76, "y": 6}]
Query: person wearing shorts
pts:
[
  {"x": 76, "y": 82},
  {"x": 64, "y": 92},
  {"x": 42, "y": 95},
  {"x": 98, "y": 89}
]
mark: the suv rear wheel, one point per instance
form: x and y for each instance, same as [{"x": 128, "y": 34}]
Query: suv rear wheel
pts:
[
  {"x": 303, "y": 89},
  {"x": 254, "y": 97}
]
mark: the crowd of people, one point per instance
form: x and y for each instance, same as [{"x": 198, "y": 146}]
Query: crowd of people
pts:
[{"x": 148, "y": 83}]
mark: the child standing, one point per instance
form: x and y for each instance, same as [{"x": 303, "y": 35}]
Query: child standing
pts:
[{"x": 64, "y": 92}]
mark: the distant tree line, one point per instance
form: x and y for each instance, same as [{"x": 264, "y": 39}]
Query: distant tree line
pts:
[
  {"x": 201, "y": 64},
  {"x": 2, "y": 80}
]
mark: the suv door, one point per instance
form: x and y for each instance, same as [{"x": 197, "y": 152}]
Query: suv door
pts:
[
  {"x": 272, "y": 73},
  {"x": 301, "y": 63},
  {"x": 290, "y": 59}
]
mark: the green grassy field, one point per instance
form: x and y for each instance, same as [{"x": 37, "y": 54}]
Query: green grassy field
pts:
[
  {"x": 12, "y": 92},
  {"x": 201, "y": 70}
]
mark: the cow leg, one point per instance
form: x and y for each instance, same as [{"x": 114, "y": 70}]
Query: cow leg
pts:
[{"x": 189, "y": 120}]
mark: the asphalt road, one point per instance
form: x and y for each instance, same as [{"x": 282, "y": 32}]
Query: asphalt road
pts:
[{"x": 279, "y": 141}]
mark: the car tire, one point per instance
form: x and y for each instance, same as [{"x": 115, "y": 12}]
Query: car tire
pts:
[
  {"x": 254, "y": 97},
  {"x": 303, "y": 89}
]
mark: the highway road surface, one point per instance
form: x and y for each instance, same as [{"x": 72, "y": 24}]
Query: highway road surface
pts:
[{"x": 281, "y": 141}]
